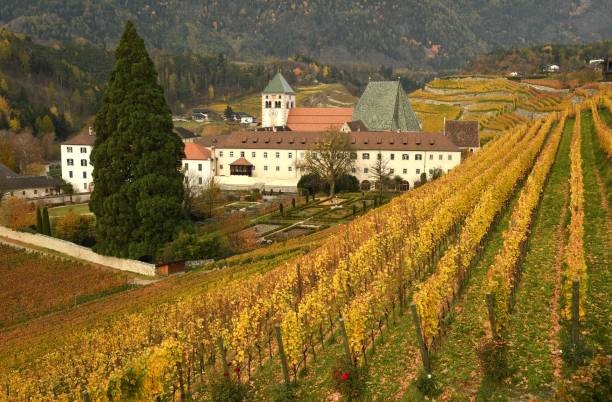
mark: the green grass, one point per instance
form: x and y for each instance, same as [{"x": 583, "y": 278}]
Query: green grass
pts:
[
  {"x": 597, "y": 242},
  {"x": 530, "y": 322},
  {"x": 79, "y": 209}
]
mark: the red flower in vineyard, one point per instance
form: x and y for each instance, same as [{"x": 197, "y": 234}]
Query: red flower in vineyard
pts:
[
  {"x": 345, "y": 376},
  {"x": 237, "y": 369},
  {"x": 225, "y": 374}
]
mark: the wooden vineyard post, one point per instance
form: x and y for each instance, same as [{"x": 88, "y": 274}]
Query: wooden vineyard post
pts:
[
  {"x": 85, "y": 396},
  {"x": 281, "y": 352},
  {"x": 223, "y": 353},
  {"x": 575, "y": 312},
  {"x": 419, "y": 334},
  {"x": 491, "y": 309},
  {"x": 345, "y": 342}
]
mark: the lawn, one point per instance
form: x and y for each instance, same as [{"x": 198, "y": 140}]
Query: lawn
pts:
[{"x": 79, "y": 209}]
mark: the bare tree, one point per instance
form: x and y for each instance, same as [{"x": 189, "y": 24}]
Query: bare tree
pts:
[
  {"x": 208, "y": 197},
  {"x": 330, "y": 158},
  {"x": 380, "y": 172}
]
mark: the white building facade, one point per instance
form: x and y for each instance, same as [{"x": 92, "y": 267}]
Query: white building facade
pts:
[
  {"x": 197, "y": 165},
  {"x": 76, "y": 165}
]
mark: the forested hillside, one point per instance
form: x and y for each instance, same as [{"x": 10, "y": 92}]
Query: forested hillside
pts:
[{"x": 438, "y": 33}]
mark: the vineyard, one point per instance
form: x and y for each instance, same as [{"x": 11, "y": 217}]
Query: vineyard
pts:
[
  {"x": 34, "y": 284},
  {"x": 487, "y": 283}
]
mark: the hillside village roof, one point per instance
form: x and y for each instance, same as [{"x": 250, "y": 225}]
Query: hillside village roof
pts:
[
  {"x": 184, "y": 133},
  {"x": 383, "y": 106},
  {"x": 278, "y": 85},
  {"x": 5, "y": 171},
  {"x": 318, "y": 118},
  {"x": 462, "y": 133},
  {"x": 83, "y": 138},
  {"x": 196, "y": 152},
  {"x": 368, "y": 140}
]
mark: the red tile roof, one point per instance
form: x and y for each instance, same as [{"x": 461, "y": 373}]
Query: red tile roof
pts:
[
  {"x": 318, "y": 118},
  {"x": 241, "y": 162},
  {"x": 83, "y": 138},
  {"x": 463, "y": 133},
  {"x": 197, "y": 152},
  {"x": 362, "y": 140}
]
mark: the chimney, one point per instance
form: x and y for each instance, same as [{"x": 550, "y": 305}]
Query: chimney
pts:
[{"x": 91, "y": 131}]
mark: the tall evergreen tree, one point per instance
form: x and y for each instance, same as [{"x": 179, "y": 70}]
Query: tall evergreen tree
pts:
[
  {"x": 39, "y": 224},
  {"x": 138, "y": 188}
]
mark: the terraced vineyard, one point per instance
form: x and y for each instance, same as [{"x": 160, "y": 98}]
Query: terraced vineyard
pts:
[{"x": 391, "y": 306}]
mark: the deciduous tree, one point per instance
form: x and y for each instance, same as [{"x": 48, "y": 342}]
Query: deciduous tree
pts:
[
  {"x": 329, "y": 159},
  {"x": 138, "y": 192}
]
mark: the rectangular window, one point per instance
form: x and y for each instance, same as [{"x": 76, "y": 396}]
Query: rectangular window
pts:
[
  {"x": 290, "y": 155},
  {"x": 84, "y": 186},
  {"x": 392, "y": 157},
  {"x": 70, "y": 162},
  {"x": 69, "y": 149},
  {"x": 199, "y": 180},
  {"x": 186, "y": 166},
  {"x": 353, "y": 155},
  {"x": 290, "y": 168},
  {"x": 404, "y": 157},
  {"x": 418, "y": 157},
  {"x": 379, "y": 156},
  {"x": 35, "y": 191},
  {"x": 278, "y": 168},
  {"x": 418, "y": 171},
  {"x": 277, "y": 155},
  {"x": 391, "y": 171},
  {"x": 231, "y": 154},
  {"x": 70, "y": 174},
  {"x": 84, "y": 175},
  {"x": 366, "y": 170},
  {"x": 220, "y": 167},
  {"x": 405, "y": 171},
  {"x": 199, "y": 167},
  {"x": 265, "y": 155},
  {"x": 277, "y": 104},
  {"x": 353, "y": 170},
  {"x": 440, "y": 157},
  {"x": 242, "y": 154},
  {"x": 221, "y": 154},
  {"x": 450, "y": 157},
  {"x": 252, "y": 154},
  {"x": 83, "y": 162},
  {"x": 365, "y": 156},
  {"x": 265, "y": 168},
  {"x": 430, "y": 157}
]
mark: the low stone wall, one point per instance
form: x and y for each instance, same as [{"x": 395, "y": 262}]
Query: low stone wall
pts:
[{"x": 80, "y": 252}]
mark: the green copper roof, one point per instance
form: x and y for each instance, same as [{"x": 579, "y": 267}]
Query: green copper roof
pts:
[
  {"x": 384, "y": 107},
  {"x": 278, "y": 85}
]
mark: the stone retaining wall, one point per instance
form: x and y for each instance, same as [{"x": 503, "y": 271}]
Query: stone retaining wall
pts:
[{"x": 80, "y": 252}]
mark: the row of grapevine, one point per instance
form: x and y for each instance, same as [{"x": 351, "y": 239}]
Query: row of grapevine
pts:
[
  {"x": 386, "y": 287},
  {"x": 604, "y": 133},
  {"x": 574, "y": 252},
  {"x": 503, "y": 275},
  {"x": 435, "y": 295},
  {"x": 241, "y": 312}
]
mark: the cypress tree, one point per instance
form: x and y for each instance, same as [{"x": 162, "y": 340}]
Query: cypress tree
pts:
[
  {"x": 46, "y": 223},
  {"x": 39, "y": 225},
  {"x": 138, "y": 191}
]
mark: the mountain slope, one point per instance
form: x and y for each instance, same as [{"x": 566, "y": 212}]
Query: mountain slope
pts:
[{"x": 437, "y": 33}]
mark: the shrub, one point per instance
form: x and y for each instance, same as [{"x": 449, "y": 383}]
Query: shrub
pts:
[
  {"x": 78, "y": 229},
  {"x": 347, "y": 379},
  {"x": 16, "y": 213},
  {"x": 227, "y": 389},
  {"x": 310, "y": 182},
  {"x": 193, "y": 246},
  {"x": 589, "y": 383},
  {"x": 493, "y": 358},
  {"x": 426, "y": 383},
  {"x": 283, "y": 393}
]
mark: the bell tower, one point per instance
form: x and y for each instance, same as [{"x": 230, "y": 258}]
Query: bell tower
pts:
[{"x": 276, "y": 101}]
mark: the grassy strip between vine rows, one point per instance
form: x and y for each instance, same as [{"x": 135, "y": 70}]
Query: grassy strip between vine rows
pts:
[
  {"x": 529, "y": 325},
  {"x": 597, "y": 244}
]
